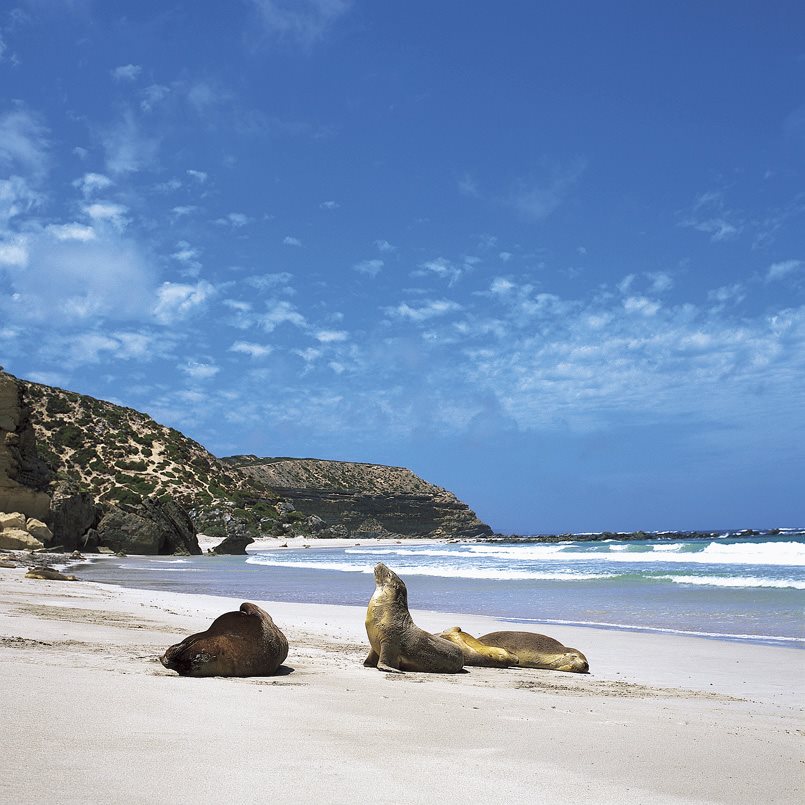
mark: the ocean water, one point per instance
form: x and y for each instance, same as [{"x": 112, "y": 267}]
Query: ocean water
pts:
[{"x": 726, "y": 588}]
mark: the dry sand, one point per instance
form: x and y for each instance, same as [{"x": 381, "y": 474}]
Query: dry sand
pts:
[{"x": 90, "y": 716}]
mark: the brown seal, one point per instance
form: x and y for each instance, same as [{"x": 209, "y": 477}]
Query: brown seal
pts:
[
  {"x": 398, "y": 644},
  {"x": 244, "y": 643},
  {"x": 538, "y": 651},
  {"x": 49, "y": 574},
  {"x": 476, "y": 653}
]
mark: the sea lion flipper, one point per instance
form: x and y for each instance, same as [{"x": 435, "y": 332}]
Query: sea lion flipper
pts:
[
  {"x": 389, "y": 659},
  {"x": 371, "y": 659}
]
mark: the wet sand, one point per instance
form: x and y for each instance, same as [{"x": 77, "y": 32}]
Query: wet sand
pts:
[{"x": 90, "y": 715}]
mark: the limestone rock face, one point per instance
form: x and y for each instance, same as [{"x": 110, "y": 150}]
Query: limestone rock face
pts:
[
  {"x": 24, "y": 477},
  {"x": 36, "y": 528},
  {"x": 12, "y": 520},
  {"x": 152, "y": 527},
  {"x": 16, "y": 539}
]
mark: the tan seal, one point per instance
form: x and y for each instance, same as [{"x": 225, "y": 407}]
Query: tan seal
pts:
[
  {"x": 49, "y": 574},
  {"x": 398, "y": 644},
  {"x": 476, "y": 653},
  {"x": 244, "y": 643},
  {"x": 538, "y": 651}
]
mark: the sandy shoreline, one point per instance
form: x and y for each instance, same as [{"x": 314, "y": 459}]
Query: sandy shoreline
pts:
[{"x": 89, "y": 714}]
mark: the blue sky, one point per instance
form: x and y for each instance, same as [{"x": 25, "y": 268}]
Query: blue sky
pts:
[{"x": 549, "y": 256}]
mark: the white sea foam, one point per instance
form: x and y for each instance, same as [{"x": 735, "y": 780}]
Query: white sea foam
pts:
[
  {"x": 788, "y": 554},
  {"x": 736, "y": 581},
  {"x": 454, "y": 552},
  {"x": 638, "y": 628},
  {"x": 491, "y": 574}
]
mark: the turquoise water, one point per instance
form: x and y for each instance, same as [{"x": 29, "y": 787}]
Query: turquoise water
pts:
[{"x": 728, "y": 588}]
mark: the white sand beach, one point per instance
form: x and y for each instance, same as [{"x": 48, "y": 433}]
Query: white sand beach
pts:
[{"x": 90, "y": 715}]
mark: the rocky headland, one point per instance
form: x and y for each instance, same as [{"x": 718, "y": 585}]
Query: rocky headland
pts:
[{"x": 100, "y": 476}]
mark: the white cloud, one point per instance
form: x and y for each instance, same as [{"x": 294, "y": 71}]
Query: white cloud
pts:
[
  {"x": 108, "y": 211},
  {"x": 785, "y": 268},
  {"x": 640, "y": 304},
  {"x": 728, "y": 294},
  {"x": 93, "y": 347},
  {"x": 185, "y": 253},
  {"x": 308, "y": 355},
  {"x": 281, "y": 312},
  {"x": 303, "y": 21},
  {"x": 236, "y": 220},
  {"x": 467, "y": 186},
  {"x": 442, "y": 268},
  {"x": 711, "y": 216},
  {"x": 91, "y": 183},
  {"x": 289, "y": 241},
  {"x": 203, "y": 96},
  {"x": 329, "y": 205},
  {"x": 14, "y": 252},
  {"x": 384, "y": 246},
  {"x": 537, "y": 199},
  {"x": 126, "y": 72},
  {"x": 199, "y": 176},
  {"x": 186, "y": 209},
  {"x": 176, "y": 301},
  {"x": 168, "y": 186},
  {"x": 423, "y": 312},
  {"x": 237, "y": 304},
  {"x": 626, "y": 283},
  {"x": 505, "y": 256},
  {"x": 370, "y": 267},
  {"x": 23, "y": 142},
  {"x": 72, "y": 231},
  {"x": 17, "y": 197},
  {"x": 197, "y": 370},
  {"x": 660, "y": 281},
  {"x": 500, "y": 285},
  {"x": 70, "y": 279},
  {"x": 251, "y": 349},
  {"x": 152, "y": 95},
  {"x": 265, "y": 282},
  {"x": 331, "y": 336},
  {"x": 127, "y": 149}
]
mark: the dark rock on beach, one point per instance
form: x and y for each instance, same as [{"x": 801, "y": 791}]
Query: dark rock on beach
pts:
[
  {"x": 233, "y": 546},
  {"x": 155, "y": 526},
  {"x": 72, "y": 514}
]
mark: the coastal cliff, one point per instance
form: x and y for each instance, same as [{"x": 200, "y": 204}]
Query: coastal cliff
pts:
[
  {"x": 366, "y": 499},
  {"x": 103, "y": 476}
]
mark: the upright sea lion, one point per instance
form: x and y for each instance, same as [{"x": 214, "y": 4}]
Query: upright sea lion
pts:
[
  {"x": 244, "y": 643},
  {"x": 538, "y": 651},
  {"x": 49, "y": 574},
  {"x": 476, "y": 653},
  {"x": 398, "y": 644}
]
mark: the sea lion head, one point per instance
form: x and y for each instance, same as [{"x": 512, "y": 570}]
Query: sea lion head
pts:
[
  {"x": 573, "y": 661},
  {"x": 387, "y": 580}
]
